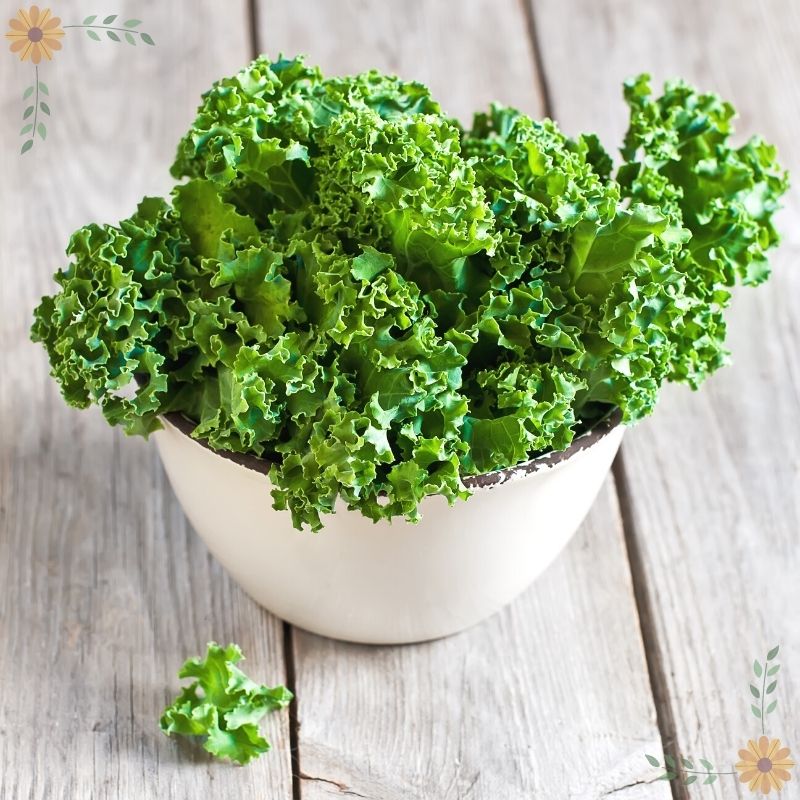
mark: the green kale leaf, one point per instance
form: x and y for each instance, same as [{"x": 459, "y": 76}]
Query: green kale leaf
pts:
[
  {"x": 223, "y": 705},
  {"x": 381, "y": 302}
]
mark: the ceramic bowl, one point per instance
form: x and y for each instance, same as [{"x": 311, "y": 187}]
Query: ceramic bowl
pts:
[{"x": 388, "y": 583}]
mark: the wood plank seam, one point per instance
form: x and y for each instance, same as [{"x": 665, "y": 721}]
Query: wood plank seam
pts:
[
  {"x": 256, "y": 48},
  {"x": 253, "y": 28},
  {"x": 536, "y": 51},
  {"x": 291, "y": 685},
  {"x": 665, "y": 718}
]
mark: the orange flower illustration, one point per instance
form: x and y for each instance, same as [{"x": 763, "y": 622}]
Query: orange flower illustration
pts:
[
  {"x": 34, "y": 33},
  {"x": 765, "y": 765}
]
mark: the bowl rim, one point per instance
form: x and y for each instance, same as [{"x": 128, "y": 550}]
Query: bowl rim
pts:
[{"x": 602, "y": 428}]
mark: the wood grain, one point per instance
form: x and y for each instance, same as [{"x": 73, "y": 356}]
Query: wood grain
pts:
[
  {"x": 714, "y": 477},
  {"x": 551, "y": 697},
  {"x": 469, "y": 53},
  {"x": 104, "y": 588},
  {"x": 548, "y": 698}
]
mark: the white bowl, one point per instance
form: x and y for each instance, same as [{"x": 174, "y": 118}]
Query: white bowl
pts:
[{"x": 388, "y": 583}]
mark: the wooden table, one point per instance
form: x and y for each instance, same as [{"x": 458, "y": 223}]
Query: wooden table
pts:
[{"x": 640, "y": 638}]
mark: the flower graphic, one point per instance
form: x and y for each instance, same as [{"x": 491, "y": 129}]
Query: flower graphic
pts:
[
  {"x": 764, "y": 765},
  {"x": 34, "y": 33}
]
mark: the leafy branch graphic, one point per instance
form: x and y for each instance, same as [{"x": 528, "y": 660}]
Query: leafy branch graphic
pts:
[
  {"x": 36, "y": 34},
  {"x": 38, "y": 105},
  {"x": 764, "y": 672},
  {"x": 686, "y": 770},
  {"x": 128, "y": 29},
  {"x": 764, "y": 764}
]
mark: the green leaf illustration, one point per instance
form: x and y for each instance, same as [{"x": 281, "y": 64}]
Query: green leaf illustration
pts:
[
  {"x": 773, "y": 653},
  {"x": 706, "y": 764},
  {"x": 667, "y": 776},
  {"x": 756, "y": 711},
  {"x": 109, "y": 19},
  {"x": 42, "y": 130},
  {"x": 113, "y": 36},
  {"x": 771, "y": 707},
  {"x": 710, "y": 779},
  {"x": 45, "y": 107},
  {"x": 670, "y": 761},
  {"x": 90, "y": 20},
  {"x": 773, "y": 670},
  {"x": 686, "y": 763},
  {"x": 652, "y": 760},
  {"x": 43, "y": 88},
  {"x": 754, "y": 691},
  {"x": 771, "y": 687},
  {"x": 690, "y": 779},
  {"x": 129, "y": 38},
  {"x": 146, "y": 38},
  {"x": 93, "y": 35},
  {"x": 28, "y": 93},
  {"x": 132, "y": 23},
  {"x": 28, "y": 111},
  {"x": 26, "y": 129},
  {"x": 26, "y": 145},
  {"x": 757, "y": 668}
]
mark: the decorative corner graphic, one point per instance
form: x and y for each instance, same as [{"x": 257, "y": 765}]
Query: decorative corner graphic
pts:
[
  {"x": 35, "y": 35},
  {"x": 764, "y": 764}
]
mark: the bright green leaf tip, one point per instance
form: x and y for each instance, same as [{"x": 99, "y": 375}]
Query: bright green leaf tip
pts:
[{"x": 223, "y": 705}]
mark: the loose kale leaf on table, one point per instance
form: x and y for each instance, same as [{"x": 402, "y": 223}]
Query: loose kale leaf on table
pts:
[{"x": 223, "y": 705}]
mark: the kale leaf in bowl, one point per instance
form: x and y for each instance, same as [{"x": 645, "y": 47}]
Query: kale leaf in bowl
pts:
[{"x": 383, "y": 302}]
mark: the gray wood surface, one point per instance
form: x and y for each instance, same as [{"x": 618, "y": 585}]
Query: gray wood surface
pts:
[
  {"x": 469, "y": 53},
  {"x": 104, "y": 588},
  {"x": 552, "y": 695},
  {"x": 714, "y": 476},
  {"x": 547, "y": 699}
]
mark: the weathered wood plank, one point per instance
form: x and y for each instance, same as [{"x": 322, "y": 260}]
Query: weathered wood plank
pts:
[
  {"x": 714, "y": 477},
  {"x": 469, "y": 53},
  {"x": 551, "y": 697},
  {"x": 548, "y": 698},
  {"x": 104, "y": 588}
]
